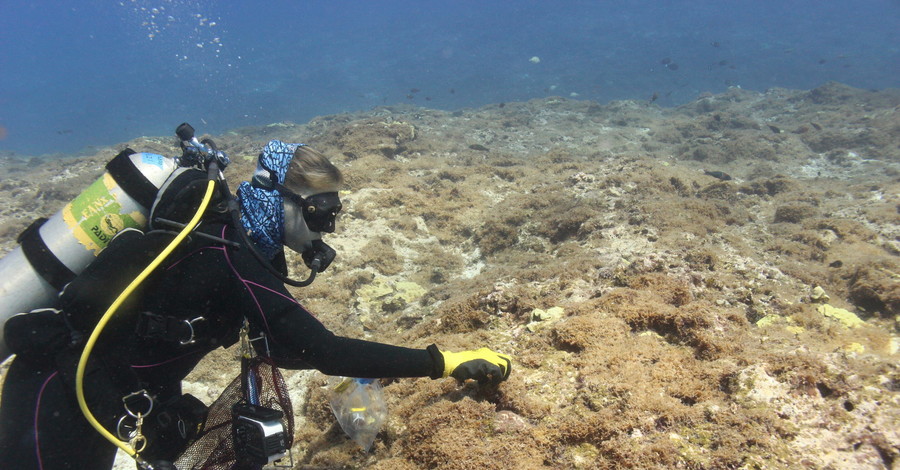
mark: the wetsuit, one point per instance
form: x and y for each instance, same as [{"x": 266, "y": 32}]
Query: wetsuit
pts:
[{"x": 210, "y": 284}]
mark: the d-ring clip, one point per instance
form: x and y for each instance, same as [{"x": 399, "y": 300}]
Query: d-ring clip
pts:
[
  {"x": 125, "y": 429},
  {"x": 132, "y": 400},
  {"x": 192, "y": 338}
]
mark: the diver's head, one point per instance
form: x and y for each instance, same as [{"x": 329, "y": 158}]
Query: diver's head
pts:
[
  {"x": 310, "y": 172},
  {"x": 311, "y": 201},
  {"x": 291, "y": 200}
]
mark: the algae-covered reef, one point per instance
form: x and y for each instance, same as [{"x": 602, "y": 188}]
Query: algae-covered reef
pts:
[{"x": 710, "y": 286}]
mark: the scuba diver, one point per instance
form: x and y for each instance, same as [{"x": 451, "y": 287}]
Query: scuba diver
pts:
[{"x": 213, "y": 291}]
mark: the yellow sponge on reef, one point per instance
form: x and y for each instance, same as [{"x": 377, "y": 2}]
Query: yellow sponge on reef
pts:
[
  {"x": 769, "y": 320},
  {"x": 846, "y": 317}
]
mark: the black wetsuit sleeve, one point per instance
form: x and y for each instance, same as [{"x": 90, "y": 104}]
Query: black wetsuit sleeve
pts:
[
  {"x": 321, "y": 349},
  {"x": 297, "y": 340}
]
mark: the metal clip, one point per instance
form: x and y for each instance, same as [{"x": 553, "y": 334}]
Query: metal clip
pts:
[
  {"x": 138, "y": 442},
  {"x": 245, "y": 341},
  {"x": 190, "y": 324},
  {"x": 125, "y": 429},
  {"x": 129, "y": 401},
  {"x": 262, "y": 337},
  {"x": 289, "y": 464},
  {"x": 132, "y": 432}
]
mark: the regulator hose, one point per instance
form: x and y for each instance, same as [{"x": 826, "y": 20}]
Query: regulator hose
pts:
[{"x": 235, "y": 210}]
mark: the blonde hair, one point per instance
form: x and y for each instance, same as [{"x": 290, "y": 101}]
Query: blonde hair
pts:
[{"x": 310, "y": 173}]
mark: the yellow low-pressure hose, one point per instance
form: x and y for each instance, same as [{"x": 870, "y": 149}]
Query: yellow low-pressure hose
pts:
[{"x": 82, "y": 364}]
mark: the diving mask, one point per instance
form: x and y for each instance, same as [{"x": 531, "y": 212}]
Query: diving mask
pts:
[{"x": 319, "y": 210}]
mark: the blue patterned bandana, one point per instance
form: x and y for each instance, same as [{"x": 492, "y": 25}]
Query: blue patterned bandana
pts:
[{"x": 263, "y": 210}]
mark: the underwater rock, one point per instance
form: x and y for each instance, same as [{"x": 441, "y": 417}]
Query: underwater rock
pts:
[
  {"x": 584, "y": 456},
  {"x": 794, "y": 213},
  {"x": 874, "y": 287},
  {"x": 755, "y": 384},
  {"x": 541, "y": 318},
  {"x": 508, "y": 422},
  {"x": 773, "y": 319},
  {"x": 818, "y": 295},
  {"x": 551, "y": 314},
  {"x": 385, "y": 296},
  {"x": 717, "y": 174}
]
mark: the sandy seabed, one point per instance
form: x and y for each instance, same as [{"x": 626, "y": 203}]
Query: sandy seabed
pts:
[{"x": 659, "y": 315}]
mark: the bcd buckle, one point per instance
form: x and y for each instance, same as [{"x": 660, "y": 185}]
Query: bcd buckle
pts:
[{"x": 170, "y": 328}]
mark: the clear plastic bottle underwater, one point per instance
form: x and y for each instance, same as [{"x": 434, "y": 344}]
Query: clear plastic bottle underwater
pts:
[{"x": 358, "y": 405}]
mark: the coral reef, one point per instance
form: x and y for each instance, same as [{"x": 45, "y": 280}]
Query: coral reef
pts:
[{"x": 659, "y": 315}]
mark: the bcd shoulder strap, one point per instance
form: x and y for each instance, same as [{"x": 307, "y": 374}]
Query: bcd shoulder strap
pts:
[{"x": 178, "y": 198}]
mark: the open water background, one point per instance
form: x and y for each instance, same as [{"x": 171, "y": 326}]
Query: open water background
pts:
[{"x": 75, "y": 74}]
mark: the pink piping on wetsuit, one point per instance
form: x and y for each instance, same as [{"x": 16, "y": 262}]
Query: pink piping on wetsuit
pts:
[
  {"x": 247, "y": 284},
  {"x": 37, "y": 409}
]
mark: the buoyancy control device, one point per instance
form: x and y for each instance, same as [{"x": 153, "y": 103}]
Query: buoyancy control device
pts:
[{"x": 53, "y": 251}]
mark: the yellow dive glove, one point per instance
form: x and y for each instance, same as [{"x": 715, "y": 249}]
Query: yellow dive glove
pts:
[{"x": 483, "y": 365}]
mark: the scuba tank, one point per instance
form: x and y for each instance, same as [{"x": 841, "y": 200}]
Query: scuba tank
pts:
[{"x": 53, "y": 251}]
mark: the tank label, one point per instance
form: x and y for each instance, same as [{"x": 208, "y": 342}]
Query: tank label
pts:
[
  {"x": 152, "y": 159},
  {"x": 96, "y": 215}
]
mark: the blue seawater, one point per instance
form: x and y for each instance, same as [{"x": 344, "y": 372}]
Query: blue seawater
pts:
[{"x": 81, "y": 73}]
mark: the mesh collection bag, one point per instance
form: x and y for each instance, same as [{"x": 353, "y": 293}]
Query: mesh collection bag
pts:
[{"x": 260, "y": 383}]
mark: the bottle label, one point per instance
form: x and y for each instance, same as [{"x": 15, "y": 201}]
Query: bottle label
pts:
[{"x": 96, "y": 215}]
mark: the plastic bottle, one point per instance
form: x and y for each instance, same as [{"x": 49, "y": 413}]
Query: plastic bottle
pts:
[{"x": 358, "y": 405}]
